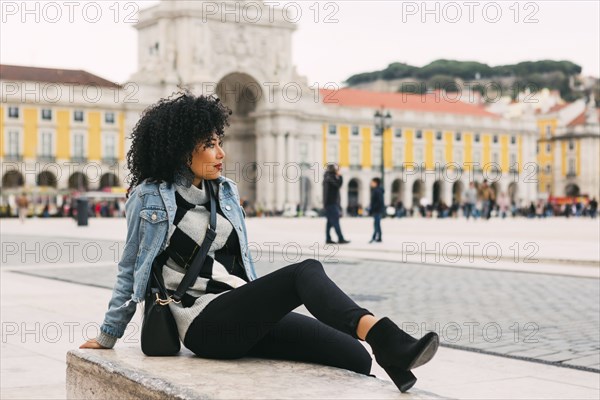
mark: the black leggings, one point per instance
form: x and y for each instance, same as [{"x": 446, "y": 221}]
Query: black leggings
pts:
[{"x": 255, "y": 320}]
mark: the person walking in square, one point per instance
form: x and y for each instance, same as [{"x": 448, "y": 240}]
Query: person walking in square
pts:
[
  {"x": 593, "y": 207},
  {"x": 172, "y": 200},
  {"x": 470, "y": 201},
  {"x": 376, "y": 208},
  {"x": 22, "y": 207},
  {"x": 332, "y": 181}
]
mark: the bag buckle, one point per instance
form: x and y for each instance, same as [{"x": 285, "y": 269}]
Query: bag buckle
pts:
[{"x": 165, "y": 302}]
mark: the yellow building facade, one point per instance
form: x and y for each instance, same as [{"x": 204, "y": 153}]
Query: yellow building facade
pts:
[
  {"x": 431, "y": 152},
  {"x": 508, "y": 148},
  {"x": 60, "y": 131},
  {"x": 408, "y": 148},
  {"x": 567, "y": 150}
]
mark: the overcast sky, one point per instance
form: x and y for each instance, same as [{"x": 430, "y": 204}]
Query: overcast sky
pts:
[{"x": 358, "y": 36}]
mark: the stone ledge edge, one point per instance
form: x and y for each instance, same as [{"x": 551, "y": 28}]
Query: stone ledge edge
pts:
[{"x": 150, "y": 382}]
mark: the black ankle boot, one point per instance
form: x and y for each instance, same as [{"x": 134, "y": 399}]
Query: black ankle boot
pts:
[
  {"x": 403, "y": 380},
  {"x": 394, "y": 348}
]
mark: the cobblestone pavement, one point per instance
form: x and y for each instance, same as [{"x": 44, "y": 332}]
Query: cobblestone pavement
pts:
[
  {"x": 546, "y": 318},
  {"x": 552, "y": 319}
]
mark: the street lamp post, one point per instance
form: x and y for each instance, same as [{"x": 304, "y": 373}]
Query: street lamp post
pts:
[{"x": 383, "y": 121}]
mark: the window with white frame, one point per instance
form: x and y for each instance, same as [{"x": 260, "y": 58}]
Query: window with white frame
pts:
[
  {"x": 571, "y": 166},
  {"x": 78, "y": 116},
  {"x": 477, "y": 137},
  {"x": 78, "y": 145},
  {"x": 303, "y": 150},
  {"x": 548, "y": 169},
  {"x": 13, "y": 145},
  {"x": 458, "y": 158},
  {"x": 495, "y": 160},
  {"x": 376, "y": 131},
  {"x": 419, "y": 155},
  {"x": 398, "y": 156},
  {"x": 438, "y": 135},
  {"x": 548, "y": 132},
  {"x": 109, "y": 118},
  {"x": 571, "y": 144},
  {"x": 110, "y": 149},
  {"x": 332, "y": 129},
  {"x": 355, "y": 154},
  {"x": 355, "y": 130},
  {"x": 13, "y": 112},
  {"x": 332, "y": 152},
  {"x": 419, "y": 134},
  {"x": 458, "y": 136},
  {"x": 46, "y": 144},
  {"x": 477, "y": 159},
  {"x": 47, "y": 114},
  {"x": 398, "y": 132},
  {"x": 495, "y": 138},
  {"x": 439, "y": 158},
  {"x": 513, "y": 139},
  {"x": 513, "y": 160},
  {"x": 548, "y": 147},
  {"x": 376, "y": 155}
]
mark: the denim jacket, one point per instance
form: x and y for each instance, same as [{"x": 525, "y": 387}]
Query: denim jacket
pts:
[{"x": 150, "y": 210}]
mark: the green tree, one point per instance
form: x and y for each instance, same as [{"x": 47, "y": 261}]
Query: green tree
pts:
[
  {"x": 413, "y": 87},
  {"x": 398, "y": 71},
  {"x": 445, "y": 82},
  {"x": 534, "y": 75}
]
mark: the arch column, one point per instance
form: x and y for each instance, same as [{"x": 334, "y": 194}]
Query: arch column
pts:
[
  {"x": 446, "y": 192},
  {"x": 407, "y": 195},
  {"x": 293, "y": 171},
  {"x": 265, "y": 190},
  {"x": 429, "y": 190},
  {"x": 364, "y": 192},
  {"x": 29, "y": 172},
  {"x": 344, "y": 192},
  {"x": 280, "y": 181}
]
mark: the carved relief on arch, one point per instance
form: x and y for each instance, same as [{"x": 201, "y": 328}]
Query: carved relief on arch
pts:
[{"x": 243, "y": 48}]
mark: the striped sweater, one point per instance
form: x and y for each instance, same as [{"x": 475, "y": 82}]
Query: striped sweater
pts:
[{"x": 222, "y": 270}]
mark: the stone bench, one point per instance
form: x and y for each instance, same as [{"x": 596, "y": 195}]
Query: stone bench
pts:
[{"x": 125, "y": 372}]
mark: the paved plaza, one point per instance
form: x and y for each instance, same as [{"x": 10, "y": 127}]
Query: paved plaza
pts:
[{"x": 494, "y": 311}]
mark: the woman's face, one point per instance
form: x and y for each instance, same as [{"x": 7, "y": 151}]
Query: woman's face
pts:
[{"x": 207, "y": 161}]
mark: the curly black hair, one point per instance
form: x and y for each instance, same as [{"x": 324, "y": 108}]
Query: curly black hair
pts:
[{"x": 167, "y": 133}]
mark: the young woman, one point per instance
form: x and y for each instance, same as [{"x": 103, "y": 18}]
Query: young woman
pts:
[{"x": 229, "y": 313}]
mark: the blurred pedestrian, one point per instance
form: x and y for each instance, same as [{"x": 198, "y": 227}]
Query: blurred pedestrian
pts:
[
  {"x": 332, "y": 181},
  {"x": 376, "y": 208},
  {"x": 486, "y": 200},
  {"x": 470, "y": 200},
  {"x": 503, "y": 204},
  {"x": 539, "y": 210},
  {"x": 46, "y": 210},
  {"x": 423, "y": 206},
  {"x": 454, "y": 208},
  {"x": 22, "y": 207},
  {"x": 400, "y": 209},
  {"x": 531, "y": 210},
  {"x": 593, "y": 207}
]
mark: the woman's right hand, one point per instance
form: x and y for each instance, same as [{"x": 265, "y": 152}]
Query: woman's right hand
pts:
[{"x": 92, "y": 344}]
